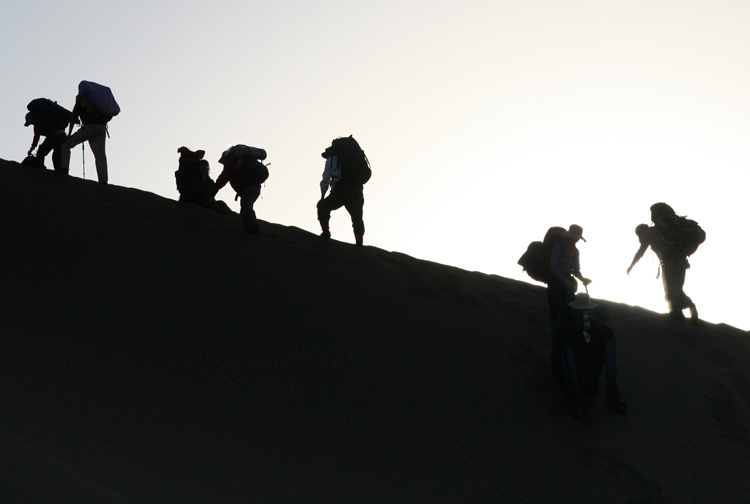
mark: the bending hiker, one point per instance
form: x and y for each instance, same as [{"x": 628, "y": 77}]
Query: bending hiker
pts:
[
  {"x": 95, "y": 106},
  {"x": 245, "y": 173},
  {"x": 194, "y": 182},
  {"x": 49, "y": 120},
  {"x": 346, "y": 171},
  {"x": 673, "y": 239},
  {"x": 564, "y": 268},
  {"x": 587, "y": 343}
]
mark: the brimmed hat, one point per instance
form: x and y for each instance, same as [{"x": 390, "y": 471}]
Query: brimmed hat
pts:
[
  {"x": 582, "y": 302},
  {"x": 29, "y": 119},
  {"x": 188, "y": 156},
  {"x": 575, "y": 231}
]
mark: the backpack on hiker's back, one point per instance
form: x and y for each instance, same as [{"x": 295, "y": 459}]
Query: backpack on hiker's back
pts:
[
  {"x": 100, "y": 98},
  {"x": 678, "y": 234},
  {"x": 352, "y": 160},
  {"x": 54, "y": 116},
  {"x": 252, "y": 171},
  {"x": 535, "y": 261}
]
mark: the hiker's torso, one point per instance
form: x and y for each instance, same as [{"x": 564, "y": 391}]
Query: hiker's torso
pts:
[{"x": 567, "y": 259}]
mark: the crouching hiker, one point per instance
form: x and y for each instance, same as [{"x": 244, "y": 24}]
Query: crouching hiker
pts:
[
  {"x": 194, "y": 182},
  {"x": 49, "y": 120},
  {"x": 346, "y": 172},
  {"x": 245, "y": 173},
  {"x": 588, "y": 342}
]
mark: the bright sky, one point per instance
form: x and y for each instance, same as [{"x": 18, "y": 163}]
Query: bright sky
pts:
[{"x": 486, "y": 122}]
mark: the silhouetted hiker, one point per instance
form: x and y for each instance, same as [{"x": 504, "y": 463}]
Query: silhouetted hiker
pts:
[
  {"x": 194, "y": 182},
  {"x": 95, "y": 106},
  {"x": 564, "y": 268},
  {"x": 245, "y": 172},
  {"x": 673, "y": 239},
  {"x": 49, "y": 120},
  {"x": 588, "y": 342},
  {"x": 346, "y": 172}
]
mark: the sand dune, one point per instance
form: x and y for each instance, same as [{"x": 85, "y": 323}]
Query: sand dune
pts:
[{"x": 152, "y": 352}]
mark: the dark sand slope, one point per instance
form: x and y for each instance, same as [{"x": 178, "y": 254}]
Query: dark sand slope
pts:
[{"x": 153, "y": 353}]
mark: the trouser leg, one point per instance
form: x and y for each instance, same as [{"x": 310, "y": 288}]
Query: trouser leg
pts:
[
  {"x": 98, "y": 146},
  {"x": 248, "y": 197}
]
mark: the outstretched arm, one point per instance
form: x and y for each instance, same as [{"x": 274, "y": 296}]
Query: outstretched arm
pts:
[{"x": 638, "y": 255}]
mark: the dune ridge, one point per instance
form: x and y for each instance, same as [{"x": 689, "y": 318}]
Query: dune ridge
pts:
[{"x": 152, "y": 352}]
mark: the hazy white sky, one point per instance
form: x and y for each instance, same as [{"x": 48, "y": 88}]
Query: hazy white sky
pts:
[{"x": 486, "y": 122}]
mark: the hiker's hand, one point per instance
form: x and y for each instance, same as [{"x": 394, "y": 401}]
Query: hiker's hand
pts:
[
  {"x": 630, "y": 268},
  {"x": 586, "y": 281}
]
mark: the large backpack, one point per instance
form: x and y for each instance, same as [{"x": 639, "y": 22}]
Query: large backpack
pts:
[
  {"x": 679, "y": 235},
  {"x": 684, "y": 237},
  {"x": 56, "y": 116},
  {"x": 100, "y": 97},
  {"x": 252, "y": 170},
  {"x": 354, "y": 165},
  {"x": 535, "y": 261}
]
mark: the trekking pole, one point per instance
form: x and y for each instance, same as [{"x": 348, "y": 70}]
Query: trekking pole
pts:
[{"x": 83, "y": 160}]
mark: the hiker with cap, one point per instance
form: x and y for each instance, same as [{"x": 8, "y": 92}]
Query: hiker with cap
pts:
[
  {"x": 588, "y": 342},
  {"x": 673, "y": 239},
  {"x": 49, "y": 120},
  {"x": 564, "y": 268}
]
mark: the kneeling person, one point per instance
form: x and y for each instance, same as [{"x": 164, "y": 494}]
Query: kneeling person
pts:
[{"x": 587, "y": 340}]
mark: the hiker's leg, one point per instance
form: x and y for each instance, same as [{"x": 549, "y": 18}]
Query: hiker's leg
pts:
[
  {"x": 333, "y": 201},
  {"x": 674, "y": 279},
  {"x": 248, "y": 197},
  {"x": 76, "y": 138},
  {"x": 610, "y": 359},
  {"x": 614, "y": 400},
  {"x": 97, "y": 142},
  {"x": 45, "y": 148},
  {"x": 355, "y": 206},
  {"x": 571, "y": 381},
  {"x": 693, "y": 309},
  {"x": 325, "y": 228},
  {"x": 59, "y": 139},
  {"x": 554, "y": 292}
]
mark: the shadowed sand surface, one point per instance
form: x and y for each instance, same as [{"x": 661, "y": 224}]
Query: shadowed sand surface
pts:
[{"x": 154, "y": 353}]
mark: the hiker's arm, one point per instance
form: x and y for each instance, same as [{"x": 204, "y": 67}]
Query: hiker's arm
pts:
[
  {"x": 325, "y": 182},
  {"x": 580, "y": 277},
  {"x": 638, "y": 255},
  {"x": 577, "y": 272},
  {"x": 221, "y": 180},
  {"x": 35, "y": 141},
  {"x": 76, "y": 114}
]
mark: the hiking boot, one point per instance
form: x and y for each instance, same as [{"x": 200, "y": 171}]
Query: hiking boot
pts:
[
  {"x": 325, "y": 234},
  {"x": 614, "y": 400},
  {"x": 579, "y": 408},
  {"x": 252, "y": 229},
  {"x": 676, "y": 315},
  {"x": 617, "y": 404}
]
